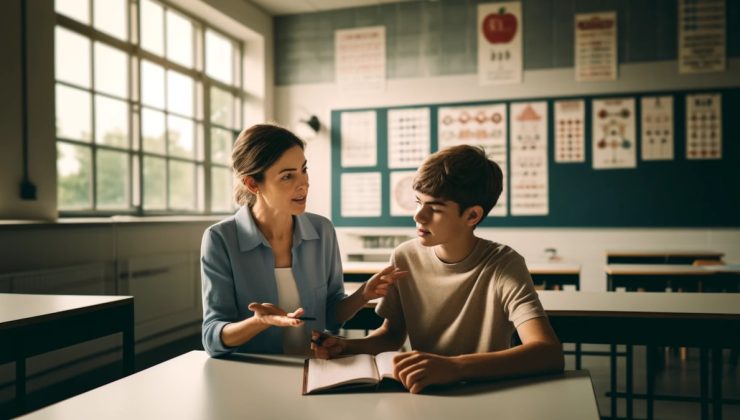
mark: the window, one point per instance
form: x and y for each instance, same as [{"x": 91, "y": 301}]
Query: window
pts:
[{"x": 148, "y": 103}]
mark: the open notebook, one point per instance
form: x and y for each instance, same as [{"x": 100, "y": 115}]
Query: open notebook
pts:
[{"x": 358, "y": 370}]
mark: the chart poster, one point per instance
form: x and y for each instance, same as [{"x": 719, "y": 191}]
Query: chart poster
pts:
[
  {"x": 484, "y": 126},
  {"x": 657, "y": 127},
  {"x": 360, "y": 59},
  {"x": 529, "y": 171},
  {"x": 500, "y": 43},
  {"x": 613, "y": 135},
  {"x": 409, "y": 137},
  {"x": 701, "y": 36},
  {"x": 570, "y": 127},
  {"x": 359, "y": 139},
  {"x": 596, "y": 46},
  {"x": 704, "y": 126},
  {"x": 402, "y": 196},
  {"x": 361, "y": 194}
]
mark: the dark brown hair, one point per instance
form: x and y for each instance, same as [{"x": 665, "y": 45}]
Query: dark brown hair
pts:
[
  {"x": 255, "y": 150},
  {"x": 462, "y": 174}
]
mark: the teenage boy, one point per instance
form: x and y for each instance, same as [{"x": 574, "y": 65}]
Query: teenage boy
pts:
[{"x": 464, "y": 296}]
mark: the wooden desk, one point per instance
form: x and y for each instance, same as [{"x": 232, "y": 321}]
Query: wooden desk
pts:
[
  {"x": 194, "y": 386},
  {"x": 36, "y": 324},
  {"x": 615, "y": 256},
  {"x": 551, "y": 275},
  {"x": 709, "y": 321},
  {"x": 658, "y": 277}
]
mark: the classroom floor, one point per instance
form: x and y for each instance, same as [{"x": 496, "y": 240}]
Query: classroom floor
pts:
[{"x": 676, "y": 377}]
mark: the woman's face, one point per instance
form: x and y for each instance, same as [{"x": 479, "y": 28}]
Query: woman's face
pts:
[{"x": 285, "y": 187}]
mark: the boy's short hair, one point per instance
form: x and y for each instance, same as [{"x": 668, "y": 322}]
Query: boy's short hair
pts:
[{"x": 462, "y": 174}]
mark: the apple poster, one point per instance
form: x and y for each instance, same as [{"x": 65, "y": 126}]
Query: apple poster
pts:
[{"x": 499, "y": 43}]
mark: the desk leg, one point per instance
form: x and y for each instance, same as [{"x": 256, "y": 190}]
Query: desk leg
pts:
[
  {"x": 650, "y": 379},
  {"x": 704, "y": 382},
  {"x": 609, "y": 283},
  {"x": 20, "y": 385},
  {"x": 717, "y": 382},
  {"x": 578, "y": 356},
  {"x": 613, "y": 379},
  {"x": 629, "y": 390},
  {"x": 128, "y": 344}
]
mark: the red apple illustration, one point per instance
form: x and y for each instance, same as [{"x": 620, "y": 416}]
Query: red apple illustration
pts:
[{"x": 499, "y": 28}]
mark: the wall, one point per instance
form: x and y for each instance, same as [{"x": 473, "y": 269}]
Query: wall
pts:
[
  {"x": 298, "y": 93},
  {"x": 154, "y": 259}
]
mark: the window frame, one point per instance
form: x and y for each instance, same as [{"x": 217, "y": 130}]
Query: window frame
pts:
[{"x": 202, "y": 125}]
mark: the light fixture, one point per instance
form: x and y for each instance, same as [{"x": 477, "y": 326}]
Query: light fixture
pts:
[{"x": 313, "y": 122}]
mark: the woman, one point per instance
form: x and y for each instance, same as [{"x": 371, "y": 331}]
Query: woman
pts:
[{"x": 272, "y": 263}]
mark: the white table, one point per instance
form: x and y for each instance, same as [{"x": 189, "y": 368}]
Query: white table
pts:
[
  {"x": 194, "y": 386},
  {"x": 36, "y": 324}
]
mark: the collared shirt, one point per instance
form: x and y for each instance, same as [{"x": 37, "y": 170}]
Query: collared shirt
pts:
[{"x": 237, "y": 268}]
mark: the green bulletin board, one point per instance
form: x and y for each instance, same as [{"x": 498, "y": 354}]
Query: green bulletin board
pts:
[{"x": 668, "y": 193}]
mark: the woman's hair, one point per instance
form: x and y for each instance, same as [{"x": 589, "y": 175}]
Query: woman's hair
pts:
[{"x": 255, "y": 150}]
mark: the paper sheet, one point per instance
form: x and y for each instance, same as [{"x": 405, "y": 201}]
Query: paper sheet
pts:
[
  {"x": 529, "y": 169},
  {"x": 359, "y": 139},
  {"x": 613, "y": 133}
]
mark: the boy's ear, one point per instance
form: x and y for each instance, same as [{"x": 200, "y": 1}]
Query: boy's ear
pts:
[{"x": 473, "y": 215}]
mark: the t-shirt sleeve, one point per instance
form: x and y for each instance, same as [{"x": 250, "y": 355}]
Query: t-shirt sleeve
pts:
[{"x": 519, "y": 299}]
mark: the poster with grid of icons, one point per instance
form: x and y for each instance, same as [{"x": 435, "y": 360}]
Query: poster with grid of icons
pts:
[
  {"x": 704, "y": 126},
  {"x": 484, "y": 126},
  {"x": 570, "y": 131},
  {"x": 657, "y": 127},
  {"x": 409, "y": 137}
]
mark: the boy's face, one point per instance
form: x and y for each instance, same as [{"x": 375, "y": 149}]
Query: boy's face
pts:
[{"x": 439, "y": 222}]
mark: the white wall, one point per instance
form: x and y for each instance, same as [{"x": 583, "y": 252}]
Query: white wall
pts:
[{"x": 583, "y": 245}]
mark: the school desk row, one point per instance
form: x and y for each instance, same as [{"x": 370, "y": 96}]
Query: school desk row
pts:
[
  {"x": 194, "y": 386},
  {"x": 708, "y": 321},
  {"x": 651, "y": 277}
]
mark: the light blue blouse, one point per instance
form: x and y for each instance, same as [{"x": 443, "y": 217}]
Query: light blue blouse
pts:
[{"x": 238, "y": 267}]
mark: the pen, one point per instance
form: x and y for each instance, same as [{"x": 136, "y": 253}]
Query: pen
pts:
[{"x": 306, "y": 318}]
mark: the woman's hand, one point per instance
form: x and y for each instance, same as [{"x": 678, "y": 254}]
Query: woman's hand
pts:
[
  {"x": 269, "y": 314},
  {"x": 325, "y": 346},
  {"x": 378, "y": 285}
]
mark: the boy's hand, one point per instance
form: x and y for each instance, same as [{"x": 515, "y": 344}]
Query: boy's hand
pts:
[
  {"x": 417, "y": 370},
  {"x": 378, "y": 285},
  {"x": 269, "y": 314},
  {"x": 325, "y": 346}
]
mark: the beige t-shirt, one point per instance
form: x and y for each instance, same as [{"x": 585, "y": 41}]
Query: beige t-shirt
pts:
[{"x": 472, "y": 306}]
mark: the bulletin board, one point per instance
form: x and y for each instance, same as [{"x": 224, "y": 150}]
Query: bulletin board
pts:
[{"x": 679, "y": 192}]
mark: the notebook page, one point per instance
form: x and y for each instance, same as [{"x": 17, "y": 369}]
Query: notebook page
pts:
[
  {"x": 346, "y": 370},
  {"x": 384, "y": 361}
]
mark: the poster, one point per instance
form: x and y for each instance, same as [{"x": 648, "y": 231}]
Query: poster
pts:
[
  {"x": 500, "y": 43},
  {"x": 484, "y": 126},
  {"x": 596, "y": 46},
  {"x": 657, "y": 127},
  {"x": 529, "y": 170},
  {"x": 570, "y": 128},
  {"x": 361, "y": 194},
  {"x": 402, "y": 195},
  {"x": 409, "y": 137},
  {"x": 613, "y": 135},
  {"x": 701, "y": 36},
  {"x": 359, "y": 139},
  {"x": 704, "y": 126},
  {"x": 359, "y": 62}
]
